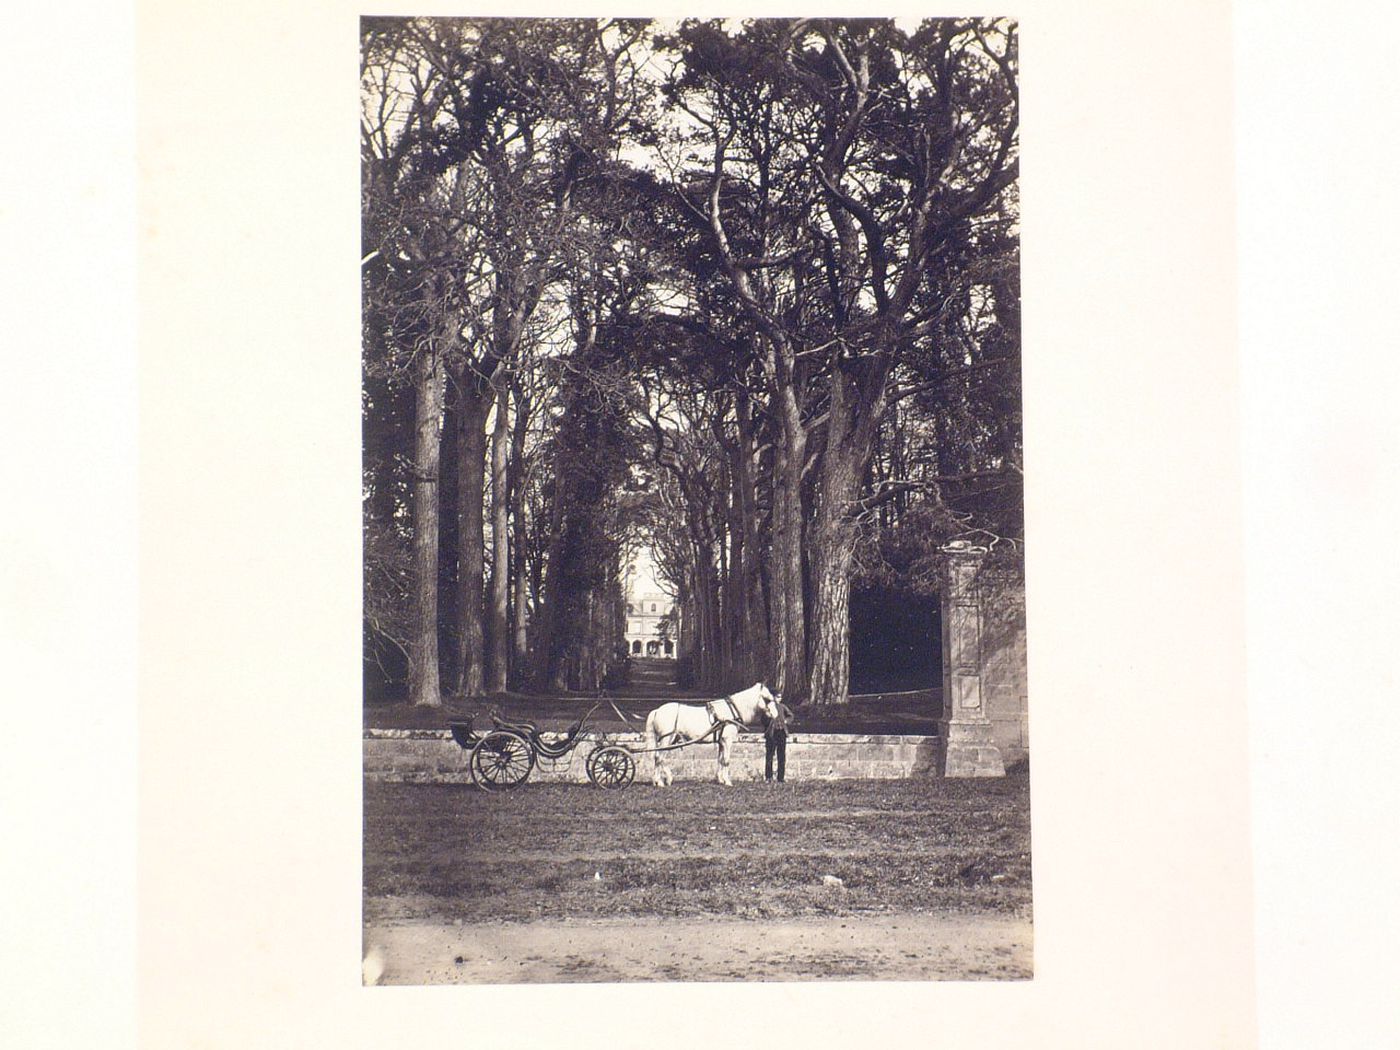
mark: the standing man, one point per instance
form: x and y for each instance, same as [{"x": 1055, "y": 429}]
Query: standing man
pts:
[{"x": 775, "y": 735}]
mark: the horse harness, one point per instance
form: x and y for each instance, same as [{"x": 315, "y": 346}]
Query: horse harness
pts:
[{"x": 716, "y": 718}]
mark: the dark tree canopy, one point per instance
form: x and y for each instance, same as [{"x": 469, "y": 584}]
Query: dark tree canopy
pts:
[{"x": 744, "y": 292}]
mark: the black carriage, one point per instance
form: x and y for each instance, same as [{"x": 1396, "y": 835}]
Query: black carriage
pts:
[{"x": 504, "y": 756}]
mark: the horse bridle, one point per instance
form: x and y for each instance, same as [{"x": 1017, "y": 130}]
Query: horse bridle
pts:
[{"x": 733, "y": 710}]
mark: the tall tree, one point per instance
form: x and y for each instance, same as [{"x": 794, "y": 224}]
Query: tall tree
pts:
[
  {"x": 895, "y": 144},
  {"x": 413, "y": 285},
  {"x": 563, "y": 91}
]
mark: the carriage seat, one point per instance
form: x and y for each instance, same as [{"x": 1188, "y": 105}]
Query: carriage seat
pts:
[
  {"x": 462, "y": 731},
  {"x": 528, "y": 728},
  {"x": 562, "y": 747}
]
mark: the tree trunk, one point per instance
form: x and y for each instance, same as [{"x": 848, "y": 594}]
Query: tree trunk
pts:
[
  {"x": 520, "y": 604},
  {"x": 448, "y": 621},
  {"x": 831, "y": 620},
  {"x": 713, "y": 644},
  {"x": 833, "y": 537},
  {"x": 754, "y": 631},
  {"x": 741, "y": 610},
  {"x": 551, "y": 583},
  {"x": 498, "y": 662},
  {"x": 471, "y": 538},
  {"x": 516, "y": 479},
  {"x": 735, "y": 604},
  {"x": 685, "y": 636},
  {"x": 723, "y": 597},
  {"x": 423, "y": 684},
  {"x": 777, "y": 572},
  {"x": 795, "y": 686}
]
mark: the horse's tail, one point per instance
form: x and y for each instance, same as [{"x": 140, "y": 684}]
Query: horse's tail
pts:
[{"x": 649, "y": 732}]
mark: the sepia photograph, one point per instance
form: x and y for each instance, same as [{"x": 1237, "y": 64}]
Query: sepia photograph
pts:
[
  {"x": 694, "y": 594},
  {"x": 579, "y": 520}
]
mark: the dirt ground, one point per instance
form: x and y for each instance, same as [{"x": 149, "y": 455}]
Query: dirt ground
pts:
[
  {"x": 890, "y": 947},
  {"x": 846, "y": 880}
]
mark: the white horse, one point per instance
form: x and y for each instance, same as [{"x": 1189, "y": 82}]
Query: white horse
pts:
[{"x": 675, "y": 723}]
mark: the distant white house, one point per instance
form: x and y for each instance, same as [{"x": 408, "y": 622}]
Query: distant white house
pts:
[{"x": 653, "y": 626}]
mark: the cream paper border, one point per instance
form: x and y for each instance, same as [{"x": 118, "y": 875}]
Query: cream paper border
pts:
[{"x": 250, "y": 750}]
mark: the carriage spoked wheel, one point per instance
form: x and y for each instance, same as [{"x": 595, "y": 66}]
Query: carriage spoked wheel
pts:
[
  {"x": 501, "y": 760},
  {"x": 611, "y": 767}
]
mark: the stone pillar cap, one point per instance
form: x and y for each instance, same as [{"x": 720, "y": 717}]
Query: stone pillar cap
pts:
[{"x": 963, "y": 547}]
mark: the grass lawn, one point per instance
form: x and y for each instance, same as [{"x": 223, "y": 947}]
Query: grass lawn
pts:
[{"x": 553, "y": 852}]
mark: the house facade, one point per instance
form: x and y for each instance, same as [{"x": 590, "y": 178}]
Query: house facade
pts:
[{"x": 653, "y": 623}]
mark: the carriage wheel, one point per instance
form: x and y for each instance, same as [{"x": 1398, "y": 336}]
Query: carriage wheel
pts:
[
  {"x": 501, "y": 760},
  {"x": 611, "y": 767}
]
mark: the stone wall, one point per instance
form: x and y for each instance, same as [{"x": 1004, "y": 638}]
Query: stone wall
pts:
[
  {"x": 432, "y": 756},
  {"x": 1004, "y": 667}
]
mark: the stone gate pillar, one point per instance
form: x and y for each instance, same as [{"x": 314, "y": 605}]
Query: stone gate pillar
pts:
[{"x": 965, "y": 744}]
